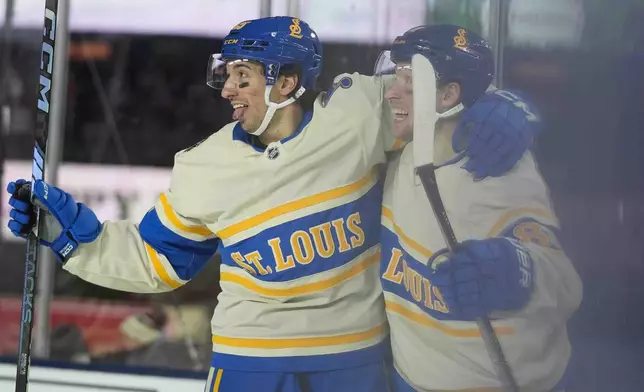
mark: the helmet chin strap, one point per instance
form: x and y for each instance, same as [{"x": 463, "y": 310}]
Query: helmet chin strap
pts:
[
  {"x": 451, "y": 112},
  {"x": 273, "y": 107},
  {"x": 459, "y": 108}
]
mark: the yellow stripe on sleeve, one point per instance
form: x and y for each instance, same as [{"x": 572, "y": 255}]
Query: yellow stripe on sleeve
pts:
[
  {"x": 300, "y": 342},
  {"x": 174, "y": 219},
  {"x": 434, "y": 324},
  {"x": 513, "y": 215},
  {"x": 297, "y": 205},
  {"x": 160, "y": 269}
]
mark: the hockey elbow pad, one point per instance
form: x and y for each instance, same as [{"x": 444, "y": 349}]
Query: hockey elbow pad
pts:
[{"x": 65, "y": 222}]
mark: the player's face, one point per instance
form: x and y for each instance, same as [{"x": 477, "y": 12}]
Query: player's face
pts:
[
  {"x": 400, "y": 97},
  {"x": 244, "y": 88}
]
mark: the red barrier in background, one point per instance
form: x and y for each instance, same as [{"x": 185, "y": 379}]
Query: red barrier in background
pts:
[{"x": 98, "y": 321}]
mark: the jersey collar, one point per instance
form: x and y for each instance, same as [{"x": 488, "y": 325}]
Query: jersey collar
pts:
[{"x": 240, "y": 135}]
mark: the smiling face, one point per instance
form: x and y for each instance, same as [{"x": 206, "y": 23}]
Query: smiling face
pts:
[
  {"x": 401, "y": 100},
  {"x": 245, "y": 88},
  {"x": 401, "y": 97}
]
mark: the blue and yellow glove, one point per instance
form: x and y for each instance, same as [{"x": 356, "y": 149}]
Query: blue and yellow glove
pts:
[
  {"x": 484, "y": 276},
  {"x": 495, "y": 132},
  {"x": 65, "y": 222}
]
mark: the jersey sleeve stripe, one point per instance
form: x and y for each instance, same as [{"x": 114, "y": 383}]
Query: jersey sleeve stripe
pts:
[
  {"x": 174, "y": 219},
  {"x": 434, "y": 324},
  {"x": 306, "y": 288},
  {"x": 387, "y": 214},
  {"x": 295, "y": 205},
  {"x": 160, "y": 269},
  {"x": 185, "y": 256},
  {"x": 516, "y": 213},
  {"x": 300, "y": 342}
]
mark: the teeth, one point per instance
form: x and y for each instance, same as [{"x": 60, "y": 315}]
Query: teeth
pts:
[
  {"x": 401, "y": 112},
  {"x": 239, "y": 105}
]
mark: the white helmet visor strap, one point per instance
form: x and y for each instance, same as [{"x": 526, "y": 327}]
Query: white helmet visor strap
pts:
[
  {"x": 273, "y": 107},
  {"x": 451, "y": 112}
]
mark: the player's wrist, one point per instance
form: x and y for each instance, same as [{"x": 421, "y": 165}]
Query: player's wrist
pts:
[{"x": 63, "y": 246}]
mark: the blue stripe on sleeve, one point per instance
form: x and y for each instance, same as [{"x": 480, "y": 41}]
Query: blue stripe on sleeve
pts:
[{"x": 186, "y": 256}]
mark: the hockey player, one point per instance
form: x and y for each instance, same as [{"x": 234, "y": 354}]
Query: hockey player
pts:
[
  {"x": 509, "y": 264},
  {"x": 289, "y": 197}
]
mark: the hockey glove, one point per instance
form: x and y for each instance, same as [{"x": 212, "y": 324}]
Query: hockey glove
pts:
[
  {"x": 65, "y": 222},
  {"x": 495, "y": 132},
  {"x": 484, "y": 276}
]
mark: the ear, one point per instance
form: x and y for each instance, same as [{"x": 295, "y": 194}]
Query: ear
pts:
[
  {"x": 288, "y": 84},
  {"x": 449, "y": 96}
]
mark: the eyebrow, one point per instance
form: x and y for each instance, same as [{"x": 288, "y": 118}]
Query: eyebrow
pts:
[{"x": 235, "y": 66}]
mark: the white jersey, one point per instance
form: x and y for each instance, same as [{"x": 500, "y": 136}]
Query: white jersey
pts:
[
  {"x": 297, "y": 227},
  {"x": 432, "y": 352}
]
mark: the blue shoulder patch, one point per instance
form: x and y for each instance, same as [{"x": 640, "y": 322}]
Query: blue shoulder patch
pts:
[{"x": 345, "y": 82}]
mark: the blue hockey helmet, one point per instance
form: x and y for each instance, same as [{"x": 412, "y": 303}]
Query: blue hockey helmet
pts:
[
  {"x": 274, "y": 42},
  {"x": 457, "y": 55}
]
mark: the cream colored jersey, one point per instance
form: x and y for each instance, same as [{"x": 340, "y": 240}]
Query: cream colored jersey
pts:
[
  {"x": 296, "y": 224},
  {"x": 432, "y": 351}
]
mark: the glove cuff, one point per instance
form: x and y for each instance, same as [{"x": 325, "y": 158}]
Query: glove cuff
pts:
[
  {"x": 63, "y": 246},
  {"x": 86, "y": 227}
]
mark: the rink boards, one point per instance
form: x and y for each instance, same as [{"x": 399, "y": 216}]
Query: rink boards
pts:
[{"x": 53, "y": 379}]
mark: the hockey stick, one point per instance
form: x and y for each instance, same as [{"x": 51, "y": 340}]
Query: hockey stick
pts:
[
  {"x": 424, "y": 85},
  {"x": 37, "y": 173}
]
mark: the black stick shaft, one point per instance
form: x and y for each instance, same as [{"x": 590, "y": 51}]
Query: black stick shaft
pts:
[
  {"x": 38, "y": 173},
  {"x": 494, "y": 350}
]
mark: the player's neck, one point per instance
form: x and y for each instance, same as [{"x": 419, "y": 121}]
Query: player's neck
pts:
[
  {"x": 284, "y": 123},
  {"x": 443, "y": 150}
]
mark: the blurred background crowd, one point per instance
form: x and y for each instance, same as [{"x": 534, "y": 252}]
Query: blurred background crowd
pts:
[{"x": 136, "y": 95}]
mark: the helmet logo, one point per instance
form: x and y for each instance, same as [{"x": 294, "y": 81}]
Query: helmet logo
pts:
[
  {"x": 460, "y": 41},
  {"x": 296, "y": 30},
  {"x": 240, "y": 25}
]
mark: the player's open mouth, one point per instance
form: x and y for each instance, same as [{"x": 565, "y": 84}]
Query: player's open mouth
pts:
[
  {"x": 240, "y": 108},
  {"x": 400, "y": 114}
]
